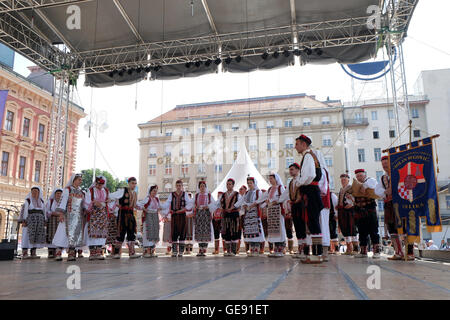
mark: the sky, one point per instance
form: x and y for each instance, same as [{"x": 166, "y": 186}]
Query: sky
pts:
[{"x": 426, "y": 48}]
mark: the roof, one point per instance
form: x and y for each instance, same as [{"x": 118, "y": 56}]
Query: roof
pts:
[{"x": 234, "y": 107}]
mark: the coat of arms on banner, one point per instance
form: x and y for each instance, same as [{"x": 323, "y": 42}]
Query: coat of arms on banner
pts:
[{"x": 410, "y": 176}]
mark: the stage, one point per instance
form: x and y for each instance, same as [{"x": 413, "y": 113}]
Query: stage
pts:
[{"x": 224, "y": 278}]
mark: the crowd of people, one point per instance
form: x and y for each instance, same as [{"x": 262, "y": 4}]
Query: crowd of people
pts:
[{"x": 305, "y": 208}]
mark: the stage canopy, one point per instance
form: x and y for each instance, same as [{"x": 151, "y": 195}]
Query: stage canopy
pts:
[{"x": 119, "y": 42}]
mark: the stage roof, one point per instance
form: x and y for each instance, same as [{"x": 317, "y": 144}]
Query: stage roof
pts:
[{"x": 163, "y": 36}]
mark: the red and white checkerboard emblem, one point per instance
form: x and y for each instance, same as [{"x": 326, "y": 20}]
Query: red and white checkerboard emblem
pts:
[
  {"x": 403, "y": 192},
  {"x": 410, "y": 175}
]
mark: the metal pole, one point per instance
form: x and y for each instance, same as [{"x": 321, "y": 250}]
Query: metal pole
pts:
[
  {"x": 65, "y": 133},
  {"x": 95, "y": 146}
]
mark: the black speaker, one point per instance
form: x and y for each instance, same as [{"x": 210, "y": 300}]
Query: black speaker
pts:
[{"x": 7, "y": 249}]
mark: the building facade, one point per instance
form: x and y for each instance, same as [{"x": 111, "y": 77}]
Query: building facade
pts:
[{"x": 24, "y": 140}]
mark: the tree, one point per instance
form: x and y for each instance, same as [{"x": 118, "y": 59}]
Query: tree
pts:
[{"x": 111, "y": 183}]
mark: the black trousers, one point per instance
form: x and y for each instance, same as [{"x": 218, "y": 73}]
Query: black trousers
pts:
[
  {"x": 126, "y": 223},
  {"x": 288, "y": 226},
  {"x": 300, "y": 224},
  {"x": 231, "y": 228},
  {"x": 367, "y": 223},
  {"x": 217, "y": 226},
  {"x": 333, "y": 226},
  {"x": 178, "y": 227}
]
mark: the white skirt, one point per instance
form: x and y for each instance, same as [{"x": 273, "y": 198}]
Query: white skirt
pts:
[
  {"x": 60, "y": 239},
  {"x": 25, "y": 243},
  {"x": 325, "y": 226},
  {"x": 261, "y": 237},
  {"x": 282, "y": 237}
]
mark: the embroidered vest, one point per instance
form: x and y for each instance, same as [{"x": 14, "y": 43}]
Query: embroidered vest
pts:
[
  {"x": 294, "y": 192},
  {"x": 178, "y": 202},
  {"x": 233, "y": 199}
]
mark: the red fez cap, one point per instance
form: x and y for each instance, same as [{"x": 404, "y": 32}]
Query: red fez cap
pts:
[
  {"x": 295, "y": 164},
  {"x": 250, "y": 178},
  {"x": 232, "y": 180},
  {"x": 304, "y": 138},
  {"x": 131, "y": 179},
  {"x": 100, "y": 180},
  {"x": 245, "y": 187},
  {"x": 384, "y": 158},
  {"x": 359, "y": 170}
]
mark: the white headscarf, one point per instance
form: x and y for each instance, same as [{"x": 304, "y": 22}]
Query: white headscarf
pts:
[
  {"x": 53, "y": 193},
  {"x": 277, "y": 178},
  {"x": 32, "y": 200},
  {"x": 149, "y": 187},
  {"x": 206, "y": 187},
  {"x": 103, "y": 177},
  {"x": 255, "y": 182},
  {"x": 72, "y": 178}
]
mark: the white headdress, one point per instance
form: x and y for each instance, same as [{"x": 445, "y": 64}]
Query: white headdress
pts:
[
  {"x": 277, "y": 178},
  {"x": 255, "y": 182},
  {"x": 72, "y": 178},
  {"x": 206, "y": 187},
  {"x": 40, "y": 203},
  {"x": 53, "y": 193},
  {"x": 149, "y": 187},
  {"x": 103, "y": 177}
]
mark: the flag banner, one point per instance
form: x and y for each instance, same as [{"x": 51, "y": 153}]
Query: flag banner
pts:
[
  {"x": 414, "y": 188},
  {"x": 3, "y": 97}
]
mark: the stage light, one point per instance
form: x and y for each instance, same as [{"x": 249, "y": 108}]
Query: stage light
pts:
[
  {"x": 218, "y": 61},
  {"x": 308, "y": 51},
  {"x": 187, "y": 65},
  {"x": 148, "y": 69},
  {"x": 111, "y": 74},
  {"x": 121, "y": 72},
  {"x": 318, "y": 51},
  {"x": 276, "y": 54},
  {"x": 228, "y": 60},
  {"x": 208, "y": 62},
  {"x": 265, "y": 55},
  {"x": 286, "y": 53},
  {"x": 139, "y": 70},
  {"x": 238, "y": 59},
  {"x": 157, "y": 68},
  {"x": 297, "y": 52},
  {"x": 130, "y": 71},
  {"x": 198, "y": 63}
]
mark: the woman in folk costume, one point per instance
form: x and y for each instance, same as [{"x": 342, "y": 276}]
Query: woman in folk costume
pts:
[
  {"x": 52, "y": 220},
  {"x": 204, "y": 206},
  {"x": 346, "y": 220},
  {"x": 96, "y": 229},
  {"x": 70, "y": 231},
  {"x": 150, "y": 207},
  {"x": 33, "y": 220},
  {"x": 253, "y": 229},
  {"x": 276, "y": 231}
]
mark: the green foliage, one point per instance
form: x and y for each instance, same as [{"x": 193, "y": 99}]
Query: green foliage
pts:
[{"x": 111, "y": 183}]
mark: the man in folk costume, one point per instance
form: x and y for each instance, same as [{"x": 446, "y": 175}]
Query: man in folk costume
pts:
[
  {"x": 52, "y": 220},
  {"x": 230, "y": 219},
  {"x": 189, "y": 229},
  {"x": 150, "y": 207},
  {"x": 366, "y": 215},
  {"x": 276, "y": 232},
  {"x": 325, "y": 193},
  {"x": 217, "y": 226},
  {"x": 242, "y": 192},
  {"x": 384, "y": 190},
  {"x": 177, "y": 204},
  {"x": 126, "y": 221},
  {"x": 70, "y": 231},
  {"x": 334, "y": 241},
  {"x": 346, "y": 219},
  {"x": 33, "y": 218},
  {"x": 97, "y": 203},
  {"x": 311, "y": 203},
  {"x": 204, "y": 206},
  {"x": 253, "y": 229}
]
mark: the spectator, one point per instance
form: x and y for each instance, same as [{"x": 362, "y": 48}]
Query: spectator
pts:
[
  {"x": 431, "y": 245},
  {"x": 444, "y": 245}
]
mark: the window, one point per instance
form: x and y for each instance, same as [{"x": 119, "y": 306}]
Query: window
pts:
[
  {"x": 168, "y": 132},
  {"x": 288, "y": 123},
  {"x": 26, "y": 127},
  {"x": 9, "y": 121},
  {"x": 253, "y": 144},
  {"x": 218, "y": 127},
  {"x": 184, "y": 168},
  {"x": 326, "y": 141},
  {"x": 168, "y": 151},
  {"x": 359, "y": 134},
  {"x": 252, "y": 125},
  {"x": 22, "y": 163},
  {"x": 329, "y": 161},
  {"x": 415, "y": 113},
  {"x": 218, "y": 168},
  {"x": 152, "y": 169},
  {"x": 270, "y": 144},
  {"x": 376, "y": 134},
  {"x": 37, "y": 171},
  {"x": 391, "y": 114},
  {"x": 358, "y": 115},
  {"x": 201, "y": 130},
  {"x": 153, "y": 133},
  {"x": 377, "y": 154},
  {"x": 152, "y": 152},
  {"x": 379, "y": 174},
  {"x": 289, "y": 142},
  {"x": 271, "y": 163},
  {"x": 325, "y": 120},
  {"x": 270, "y": 124},
  {"x": 235, "y": 126},
  {"x": 361, "y": 155},
  {"x": 306, "y": 121},
  {"x": 392, "y": 133},
  {"x": 447, "y": 200},
  {"x": 41, "y": 132},
  {"x": 185, "y": 132},
  {"x": 168, "y": 169},
  {"x": 289, "y": 161},
  {"x": 416, "y": 133},
  {"x": 235, "y": 145},
  {"x": 5, "y": 161},
  {"x": 374, "y": 115}
]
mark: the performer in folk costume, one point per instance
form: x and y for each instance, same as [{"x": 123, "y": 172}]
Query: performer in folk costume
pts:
[
  {"x": 276, "y": 232},
  {"x": 96, "y": 229},
  {"x": 346, "y": 219},
  {"x": 150, "y": 207},
  {"x": 204, "y": 206},
  {"x": 113, "y": 233},
  {"x": 334, "y": 241},
  {"x": 189, "y": 230},
  {"x": 176, "y": 206},
  {"x": 288, "y": 224},
  {"x": 263, "y": 210},
  {"x": 311, "y": 203},
  {"x": 325, "y": 193},
  {"x": 253, "y": 229},
  {"x": 366, "y": 216},
  {"x": 384, "y": 190},
  {"x": 242, "y": 191},
  {"x": 70, "y": 231},
  {"x": 52, "y": 220},
  {"x": 126, "y": 200},
  {"x": 217, "y": 226},
  {"x": 33, "y": 218},
  {"x": 231, "y": 230}
]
